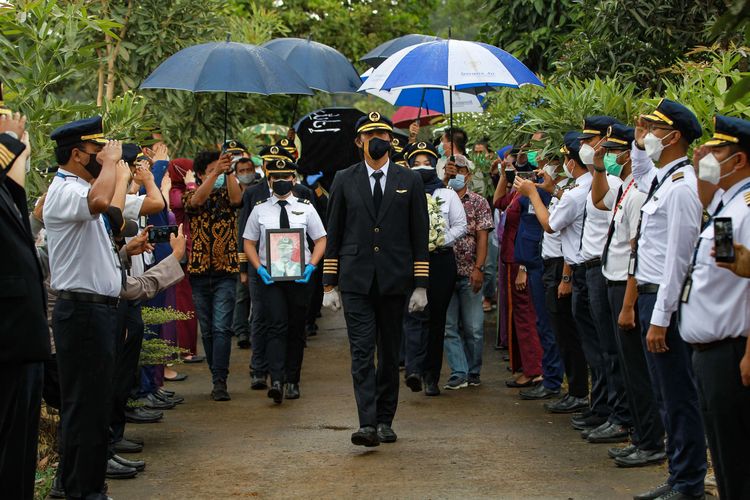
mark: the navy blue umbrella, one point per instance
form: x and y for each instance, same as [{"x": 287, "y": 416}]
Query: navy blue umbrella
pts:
[
  {"x": 385, "y": 50},
  {"x": 320, "y": 66},
  {"x": 227, "y": 67}
]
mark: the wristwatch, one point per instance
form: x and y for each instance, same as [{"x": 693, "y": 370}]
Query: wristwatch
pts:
[
  {"x": 566, "y": 278},
  {"x": 600, "y": 170},
  {"x": 479, "y": 268},
  {"x": 522, "y": 268}
]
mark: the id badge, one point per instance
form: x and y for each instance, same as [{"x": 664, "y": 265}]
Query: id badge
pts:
[
  {"x": 686, "y": 290},
  {"x": 631, "y": 264}
]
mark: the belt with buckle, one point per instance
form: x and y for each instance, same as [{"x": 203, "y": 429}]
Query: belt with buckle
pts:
[
  {"x": 91, "y": 298},
  {"x": 711, "y": 345},
  {"x": 592, "y": 263},
  {"x": 648, "y": 288}
]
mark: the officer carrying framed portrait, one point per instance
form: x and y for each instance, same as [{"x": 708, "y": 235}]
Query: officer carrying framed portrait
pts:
[{"x": 284, "y": 253}]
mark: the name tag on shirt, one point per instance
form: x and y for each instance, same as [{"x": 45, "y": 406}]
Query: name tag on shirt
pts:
[{"x": 531, "y": 208}]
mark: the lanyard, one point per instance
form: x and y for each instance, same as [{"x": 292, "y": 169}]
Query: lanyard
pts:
[
  {"x": 621, "y": 200},
  {"x": 712, "y": 217}
]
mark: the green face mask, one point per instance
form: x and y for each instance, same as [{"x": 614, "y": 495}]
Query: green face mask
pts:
[
  {"x": 610, "y": 163},
  {"x": 532, "y": 155}
]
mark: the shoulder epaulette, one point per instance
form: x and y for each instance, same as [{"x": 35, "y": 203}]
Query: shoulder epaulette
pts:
[
  {"x": 678, "y": 176},
  {"x": 259, "y": 202},
  {"x": 747, "y": 198},
  {"x": 303, "y": 200}
]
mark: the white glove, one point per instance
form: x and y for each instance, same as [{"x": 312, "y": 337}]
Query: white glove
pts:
[
  {"x": 418, "y": 300},
  {"x": 332, "y": 300}
]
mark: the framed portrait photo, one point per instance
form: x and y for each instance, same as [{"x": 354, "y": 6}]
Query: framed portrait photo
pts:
[{"x": 285, "y": 253}]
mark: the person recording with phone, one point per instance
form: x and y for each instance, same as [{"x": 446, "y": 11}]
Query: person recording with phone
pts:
[
  {"x": 213, "y": 263},
  {"x": 714, "y": 313}
]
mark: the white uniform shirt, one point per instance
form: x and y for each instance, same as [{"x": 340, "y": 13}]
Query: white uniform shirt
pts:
[
  {"x": 132, "y": 211},
  {"x": 371, "y": 171},
  {"x": 626, "y": 216},
  {"x": 717, "y": 307},
  {"x": 670, "y": 224},
  {"x": 302, "y": 215},
  {"x": 597, "y": 221},
  {"x": 81, "y": 255},
  {"x": 552, "y": 242},
  {"x": 453, "y": 213},
  {"x": 568, "y": 218}
]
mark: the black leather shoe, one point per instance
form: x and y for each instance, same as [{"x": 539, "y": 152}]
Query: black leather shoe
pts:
[
  {"x": 151, "y": 402},
  {"x": 126, "y": 446},
  {"x": 115, "y": 470},
  {"x": 513, "y": 384},
  {"x": 57, "y": 490},
  {"x": 291, "y": 391},
  {"x": 654, "y": 493},
  {"x": 194, "y": 359},
  {"x": 174, "y": 399},
  {"x": 585, "y": 433},
  {"x": 243, "y": 341},
  {"x": 311, "y": 329},
  {"x": 641, "y": 458},
  {"x": 258, "y": 382},
  {"x": 431, "y": 389},
  {"x": 386, "y": 434},
  {"x": 678, "y": 495},
  {"x": 140, "y": 415},
  {"x": 538, "y": 392},
  {"x": 276, "y": 392},
  {"x": 568, "y": 404},
  {"x": 138, "y": 465},
  {"x": 219, "y": 392},
  {"x": 366, "y": 436},
  {"x": 414, "y": 382},
  {"x": 621, "y": 452},
  {"x": 136, "y": 440},
  {"x": 615, "y": 433},
  {"x": 587, "y": 423}
]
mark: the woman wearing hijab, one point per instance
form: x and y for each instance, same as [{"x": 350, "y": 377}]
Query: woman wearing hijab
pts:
[
  {"x": 180, "y": 171},
  {"x": 425, "y": 331}
]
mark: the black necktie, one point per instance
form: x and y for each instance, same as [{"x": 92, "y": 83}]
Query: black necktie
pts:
[
  {"x": 284, "y": 216},
  {"x": 654, "y": 185},
  {"x": 377, "y": 193}
]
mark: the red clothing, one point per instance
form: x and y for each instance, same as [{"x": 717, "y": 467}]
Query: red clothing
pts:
[
  {"x": 512, "y": 208},
  {"x": 523, "y": 340}
]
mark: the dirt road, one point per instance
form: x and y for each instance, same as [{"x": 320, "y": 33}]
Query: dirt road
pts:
[{"x": 474, "y": 443}]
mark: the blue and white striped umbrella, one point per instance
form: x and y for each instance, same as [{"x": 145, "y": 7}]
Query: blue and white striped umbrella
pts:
[
  {"x": 431, "y": 99},
  {"x": 452, "y": 65}
]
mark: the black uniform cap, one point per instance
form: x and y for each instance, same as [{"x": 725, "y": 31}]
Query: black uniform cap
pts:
[
  {"x": 619, "y": 137},
  {"x": 271, "y": 153},
  {"x": 675, "y": 115},
  {"x": 233, "y": 146},
  {"x": 729, "y": 130},
  {"x": 85, "y": 130},
  {"x": 597, "y": 125},
  {"x": 373, "y": 121}
]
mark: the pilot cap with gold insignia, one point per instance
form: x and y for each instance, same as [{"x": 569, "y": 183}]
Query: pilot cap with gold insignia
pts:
[
  {"x": 271, "y": 153},
  {"x": 373, "y": 121},
  {"x": 283, "y": 167}
]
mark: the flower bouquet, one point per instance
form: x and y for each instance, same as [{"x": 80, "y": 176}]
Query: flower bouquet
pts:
[{"x": 437, "y": 223}]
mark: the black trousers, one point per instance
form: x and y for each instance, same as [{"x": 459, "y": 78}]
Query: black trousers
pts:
[
  {"x": 561, "y": 315},
  {"x": 725, "y": 404},
  {"x": 316, "y": 296},
  {"x": 283, "y": 307},
  {"x": 128, "y": 351},
  {"x": 648, "y": 431},
  {"x": 373, "y": 322},
  {"x": 85, "y": 336},
  {"x": 20, "y": 403},
  {"x": 432, "y": 320},
  {"x": 590, "y": 342}
]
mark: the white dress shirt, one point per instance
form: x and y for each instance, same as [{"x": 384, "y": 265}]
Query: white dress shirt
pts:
[
  {"x": 552, "y": 242},
  {"x": 597, "y": 221},
  {"x": 453, "y": 213},
  {"x": 568, "y": 218},
  {"x": 266, "y": 216},
  {"x": 81, "y": 255},
  {"x": 626, "y": 215},
  {"x": 717, "y": 307},
  {"x": 371, "y": 171},
  {"x": 132, "y": 211},
  {"x": 670, "y": 224}
]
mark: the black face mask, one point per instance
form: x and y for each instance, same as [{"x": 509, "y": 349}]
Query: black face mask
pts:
[
  {"x": 282, "y": 188},
  {"x": 93, "y": 166},
  {"x": 377, "y": 148},
  {"x": 427, "y": 174}
]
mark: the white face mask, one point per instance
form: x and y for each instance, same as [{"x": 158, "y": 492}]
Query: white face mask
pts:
[
  {"x": 586, "y": 154},
  {"x": 709, "y": 169},
  {"x": 654, "y": 145},
  {"x": 551, "y": 170},
  {"x": 566, "y": 168}
]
